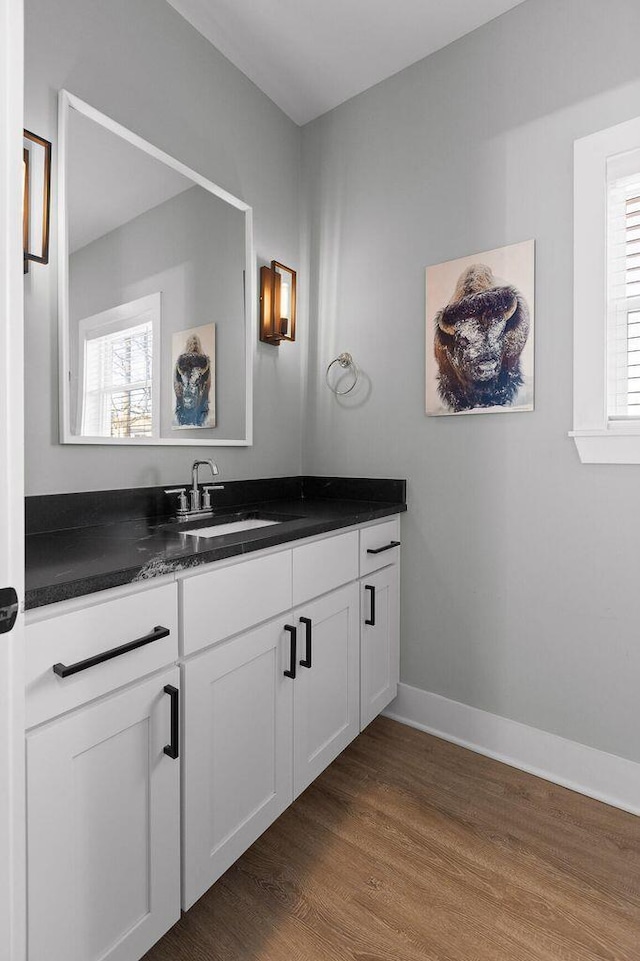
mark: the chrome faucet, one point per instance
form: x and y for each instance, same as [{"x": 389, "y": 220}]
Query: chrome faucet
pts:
[
  {"x": 194, "y": 493},
  {"x": 198, "y": 505}
]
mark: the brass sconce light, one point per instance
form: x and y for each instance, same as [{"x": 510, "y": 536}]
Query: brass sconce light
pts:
[
  {"x": 33, "y": 192},
  {"x": 277, "y": 304}
]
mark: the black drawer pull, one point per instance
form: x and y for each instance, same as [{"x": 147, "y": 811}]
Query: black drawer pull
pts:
[
  {"x": 292, "y": 660},
  {"x": 64, "y": 670},
  {"x": 173, "y": 749},
  {"x": 372, "y": 620},
  {"x": 380, "y": 550},
  {"x": 306, "y": 662}
]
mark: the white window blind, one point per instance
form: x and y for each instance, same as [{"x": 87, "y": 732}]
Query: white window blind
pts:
[
  {"x": 623, "y": 256},
  {"x": 118, "y": 382}
]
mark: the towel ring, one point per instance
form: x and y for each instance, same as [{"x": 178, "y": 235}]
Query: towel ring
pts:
[{"x": 346, "y": 361}]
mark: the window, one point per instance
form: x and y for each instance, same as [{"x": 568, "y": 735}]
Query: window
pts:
[
  {"x": 623, "y": 282},
  {"x": 119, "y": 351},
  {"x": 607, "y": 295},
  {"x": 117, "y": 383}
]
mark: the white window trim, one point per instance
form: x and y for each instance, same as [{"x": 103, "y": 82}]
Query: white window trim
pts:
[
  {"x": 121, "y": 317},
  {"x": 598, "y": 440}
]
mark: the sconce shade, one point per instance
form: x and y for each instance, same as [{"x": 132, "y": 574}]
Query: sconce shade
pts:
[
  {"x": 32, "y": 192},
  {"x": 277, "y": 304}
]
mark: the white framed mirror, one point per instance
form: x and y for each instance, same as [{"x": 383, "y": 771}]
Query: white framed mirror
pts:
[{"x": 157, "y": 293}]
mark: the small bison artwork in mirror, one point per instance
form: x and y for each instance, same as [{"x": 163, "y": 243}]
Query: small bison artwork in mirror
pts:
[
  {"x": 480, "y": 333},
  {"x": 194, "y": 377}
]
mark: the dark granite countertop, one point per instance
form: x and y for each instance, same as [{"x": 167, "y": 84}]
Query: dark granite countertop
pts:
[{"x": 61, "y": 564}]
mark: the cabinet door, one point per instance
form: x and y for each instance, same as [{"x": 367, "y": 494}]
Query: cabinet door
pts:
[
  {"x": 380, "y": 642},
  {"x": 103, "y": 824},
  {"x": 238, "y": 750},
  {"x": 327, "y": 694}
]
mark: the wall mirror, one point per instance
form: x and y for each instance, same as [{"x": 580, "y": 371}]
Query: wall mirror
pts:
[{"x": 156, "y": 291}]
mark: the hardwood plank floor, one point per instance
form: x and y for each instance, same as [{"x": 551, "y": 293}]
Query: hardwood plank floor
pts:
[{"x": 410, "y": 849}]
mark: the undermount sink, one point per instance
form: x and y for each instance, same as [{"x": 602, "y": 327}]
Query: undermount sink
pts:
[{"x": 236, "y": 526}]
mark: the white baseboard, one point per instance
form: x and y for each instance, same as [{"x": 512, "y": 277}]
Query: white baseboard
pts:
[{"x": 605, "y": 777}]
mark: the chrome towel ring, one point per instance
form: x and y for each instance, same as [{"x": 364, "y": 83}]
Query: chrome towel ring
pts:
[{"x": 346, "y": 362}]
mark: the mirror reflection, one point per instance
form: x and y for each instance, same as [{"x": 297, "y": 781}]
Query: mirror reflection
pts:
[{"x": 155, "y": 328}]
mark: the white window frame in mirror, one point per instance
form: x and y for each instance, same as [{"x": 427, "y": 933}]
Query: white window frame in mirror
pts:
[
  {"x": 118, "y": 320},
  {"x": 67, "y": 102}
]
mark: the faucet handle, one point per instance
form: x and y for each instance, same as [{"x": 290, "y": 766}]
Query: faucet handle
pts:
[
  {"x": 182, "y": 498},
  {"x": 206, "y": 497}
]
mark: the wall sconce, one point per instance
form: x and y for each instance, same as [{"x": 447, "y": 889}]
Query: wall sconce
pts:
[
  {"x": 277, "y": 304},
  {"x": 36, "y": 194}
]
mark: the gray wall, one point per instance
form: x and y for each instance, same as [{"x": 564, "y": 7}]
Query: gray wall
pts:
[
  {"x": 141, "y": 63},
  {"x": 520, "y": 565},
  {"x": 190, "y": 248}
]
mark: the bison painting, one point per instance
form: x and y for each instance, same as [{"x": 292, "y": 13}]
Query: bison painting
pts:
[
  {"x": 479, "y": 339},
  {"x": 192, "y": 378}
]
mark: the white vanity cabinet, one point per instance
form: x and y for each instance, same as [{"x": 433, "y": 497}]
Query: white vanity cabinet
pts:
[
  {"x": 380, "y": 618},
  {"x": 279, "y": 660},
  {"x": 269, "y": 709},
  {"x": 326, "y": 696},
  {"x": 379, "y": 642},
  {"x": 238, "y": 739},
  {"x": 103, "y": 780}
]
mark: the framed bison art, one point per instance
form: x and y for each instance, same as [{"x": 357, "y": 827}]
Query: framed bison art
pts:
[
  {"x": 480, "y": 313},
  {"x": 194, "y": 366}
]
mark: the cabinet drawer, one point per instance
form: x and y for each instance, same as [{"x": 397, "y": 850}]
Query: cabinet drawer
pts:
[
  {"x": 67, "y": 639},
  {"x": 324, "y": 565},
  {"x": 379, "y": 538},
  {"x": 226, "y": 601}
]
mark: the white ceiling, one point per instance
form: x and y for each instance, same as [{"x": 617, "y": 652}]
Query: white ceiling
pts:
[{"x": 308, "y": 56}]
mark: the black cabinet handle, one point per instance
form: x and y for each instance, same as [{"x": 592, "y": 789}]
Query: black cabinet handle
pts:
[
  {"x": 381, "y": 550},
  {"x": 64, "y": 670},
  {"x": 292, "y": 661},
  {"x": 173, "y": 749},
  {"x": 306, "y": 662},
  {"x": 8, "y": 609},
  {"x": 372, "y": 620}
]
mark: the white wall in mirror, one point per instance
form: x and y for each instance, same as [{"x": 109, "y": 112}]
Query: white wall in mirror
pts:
[{"x": 149, "y": 249}]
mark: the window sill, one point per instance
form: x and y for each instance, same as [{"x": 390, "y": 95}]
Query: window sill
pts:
[{"x": 614, "y": 446}]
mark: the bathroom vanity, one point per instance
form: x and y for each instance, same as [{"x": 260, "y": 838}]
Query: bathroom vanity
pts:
[
  {"x": 172, "y": 718},
  {"x": 187, "y": 676}
]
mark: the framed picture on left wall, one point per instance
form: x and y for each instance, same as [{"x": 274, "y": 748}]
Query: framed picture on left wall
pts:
[{"x": 193, "y": 355}]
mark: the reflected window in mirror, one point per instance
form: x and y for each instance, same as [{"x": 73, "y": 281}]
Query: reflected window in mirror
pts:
[{"x": 119, "y": 361}]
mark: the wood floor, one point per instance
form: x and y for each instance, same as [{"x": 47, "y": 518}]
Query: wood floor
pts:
[{"x": 410, "y": 848}]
